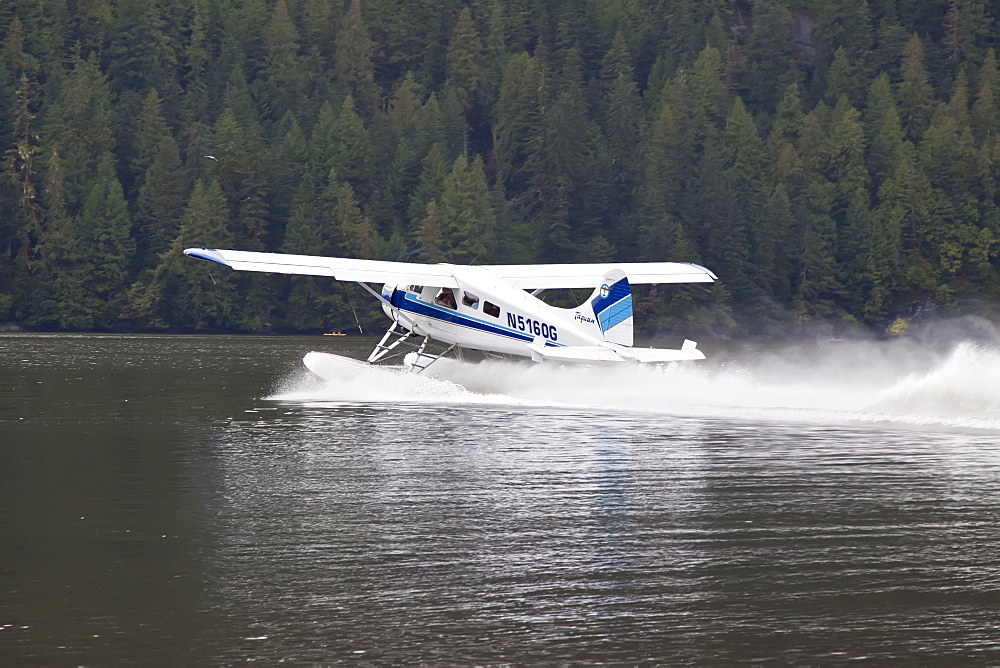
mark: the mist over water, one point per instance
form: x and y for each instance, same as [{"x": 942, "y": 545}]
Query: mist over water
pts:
[{"x": 956, "y": 385}]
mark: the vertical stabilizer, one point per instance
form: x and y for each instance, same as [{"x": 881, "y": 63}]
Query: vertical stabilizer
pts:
[{"x": 612, "y": 307}]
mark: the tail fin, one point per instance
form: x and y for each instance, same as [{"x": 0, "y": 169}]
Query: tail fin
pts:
[{"x": 611, "y": 304}]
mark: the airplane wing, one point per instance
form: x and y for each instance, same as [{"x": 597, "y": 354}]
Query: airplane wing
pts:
[
  {"x": 526, "y": 276},
  {"x": 554, "y": 276},
  {"x": 339, "y": 268}
]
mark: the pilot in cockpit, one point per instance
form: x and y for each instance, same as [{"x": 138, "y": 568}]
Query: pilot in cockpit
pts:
[{"x": 446, "y": 298}]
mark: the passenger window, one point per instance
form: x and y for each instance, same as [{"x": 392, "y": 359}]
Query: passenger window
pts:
[
  {"x": 417, "y": 289},
  {"x": 446, "y": 298},
  {"x": 470, "y": 300},
  {"x": 489, "y": 308}
]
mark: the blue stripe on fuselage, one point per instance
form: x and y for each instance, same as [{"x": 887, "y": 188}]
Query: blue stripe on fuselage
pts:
[{"x": 406, "y": 302}]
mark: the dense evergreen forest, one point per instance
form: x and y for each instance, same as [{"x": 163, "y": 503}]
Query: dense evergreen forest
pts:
[{"x": 837, "y": 164}]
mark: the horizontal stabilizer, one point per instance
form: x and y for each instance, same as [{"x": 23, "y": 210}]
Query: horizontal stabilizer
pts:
[
  {"x": 689, "y": 351},
  {"x": 613, "y": 354},
  {"x": 585, "y": 354}
]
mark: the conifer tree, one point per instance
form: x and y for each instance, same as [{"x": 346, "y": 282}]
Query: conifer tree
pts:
[
  {"x": 881, "y": 261},
  {"x": 845, "y": 159},
  {"x": 353, "y": 66},
  {"x": 320, "y": 23},
  {"x": 22, "y": 226},
  {"x": 816, "y": 285},
  {"x": 788, "y": 115},
  {"x": 94, "y": 27},
  {"x": 916, "y": 96},
  {"x": 85, "y": 261},
  {"x": 968, "y": 26},
  {"x": 322, "y": 141},
  {"x": 160, "y": 205},
  {"x": 659, "y": 192},
  {"x": 955, "y": 170},
  {"x": 843, "y": 78},
  {"x": 623, "y": 123},
  {"x": 453, "y": 123},
  {"x": 195, "y": 57},
  {"x": 287, "y": 156},
  {"x": 105, "y": 250},
  {"x": 351, "y": 149},
  {"x": 56, "y": 291},
  {"x": 709, "y": 98},
  {"x": 743, "y": 157},
  {"x": 846, "y": 28},
  {"x": 79, "y": 126},
  {"x": 853, "y": 242},
  {"x": 404, "y": 106},
  {"x": 566, "y": 183},
  {"x": 770, "y": 256},
  {"x": 150, "y": 132},
  {"x": 685, "y": 37},
  {"x": 617, "y": 63},
  {"x": 771, "y": 57},
  {"x": 191, "y": 295},
  {"x": 466, "y": 73},
  {"x": 358, "y": 237},
  {"x": 519, "y": 128},
  {"x": 310, "y": 301},
  {"x": 433, "y": 170},
  {"x": 429, "y": 125},
  {"x": 428, "y": 235},
  {"x": 281, "y": 88},
  {"x": 141, "y": 53},
  {"x": 905, "y": 202},
  {"x": 17, "y": 61},
  {"x": 890, "y": 39},
  {"x": 985, "y": 112},
  {"x": 883, "y": 129},
  {"x": 467, "y": 219},
  {"x": 237, "y": 163},
  {"x": 306, "y": 232},
  {"x": 493, "y": 32}
]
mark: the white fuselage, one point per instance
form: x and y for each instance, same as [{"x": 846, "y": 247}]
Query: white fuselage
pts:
[{"x": 487, "y": 314}]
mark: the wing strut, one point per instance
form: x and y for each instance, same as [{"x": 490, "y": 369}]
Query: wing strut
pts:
[{"x": 373, "y": 293}]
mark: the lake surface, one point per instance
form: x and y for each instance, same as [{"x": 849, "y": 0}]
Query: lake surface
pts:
[{"x": 169, "y": 499}]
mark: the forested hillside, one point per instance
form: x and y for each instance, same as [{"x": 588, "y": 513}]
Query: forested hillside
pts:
[{"x": 832, "y": 162}]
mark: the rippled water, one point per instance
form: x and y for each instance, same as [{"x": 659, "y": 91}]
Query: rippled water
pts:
[{"x": 205, "y": 499}]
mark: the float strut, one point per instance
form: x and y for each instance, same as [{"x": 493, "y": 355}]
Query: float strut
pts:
[{"x": 381, "y": 349}]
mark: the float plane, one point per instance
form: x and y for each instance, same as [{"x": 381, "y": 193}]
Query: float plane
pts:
[{"x": 489, "y": 307}]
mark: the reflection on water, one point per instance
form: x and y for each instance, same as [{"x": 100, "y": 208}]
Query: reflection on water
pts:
[{"x": 201, "y": 499}]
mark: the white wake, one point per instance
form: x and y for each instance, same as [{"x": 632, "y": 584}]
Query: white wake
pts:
[{"x": 898, "y": 382}]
